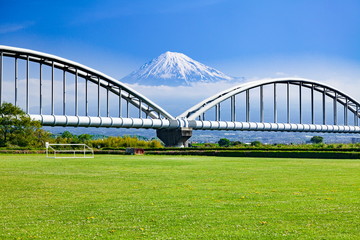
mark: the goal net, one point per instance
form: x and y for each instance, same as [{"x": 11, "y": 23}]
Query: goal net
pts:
[{"x": 58, "y": 150}]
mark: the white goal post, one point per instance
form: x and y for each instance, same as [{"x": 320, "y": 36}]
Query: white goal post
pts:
[{"x": 69, "y": 150}]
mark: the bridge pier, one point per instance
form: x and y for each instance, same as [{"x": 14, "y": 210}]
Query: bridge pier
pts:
[{"x": 174, "y": 137}]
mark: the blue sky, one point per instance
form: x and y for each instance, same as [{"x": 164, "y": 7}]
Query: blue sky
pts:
[
  {"x": 129, "y": 33},
  {"x": 316, "y": 39}
]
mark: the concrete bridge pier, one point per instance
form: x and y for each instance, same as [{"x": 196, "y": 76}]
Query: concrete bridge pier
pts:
[{"x": 174, "y": 137}]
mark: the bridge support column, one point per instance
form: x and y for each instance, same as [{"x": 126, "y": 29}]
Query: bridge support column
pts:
[{"x": 174, "y": 137}]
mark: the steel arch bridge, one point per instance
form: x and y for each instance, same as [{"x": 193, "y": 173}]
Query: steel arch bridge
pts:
[
  {"x": 60, "y": 92},
  {"x": 155, "y": 116},
  {"x": 349, "y": 106}
]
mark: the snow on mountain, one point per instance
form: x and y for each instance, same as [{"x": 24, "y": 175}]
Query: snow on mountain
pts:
[{"x": 175, "y": 69}]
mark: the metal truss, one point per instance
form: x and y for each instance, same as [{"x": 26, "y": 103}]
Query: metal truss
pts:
[
  {"x": 102, "y": 81},
  {"x": 198, "y": 111}
]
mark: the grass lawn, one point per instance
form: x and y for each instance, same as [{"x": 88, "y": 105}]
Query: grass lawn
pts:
[{"x": 178, "y": 197}]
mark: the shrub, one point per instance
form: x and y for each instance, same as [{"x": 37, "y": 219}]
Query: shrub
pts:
[
  {"x": 316, "y": 139},
  {"x": 256, "y": 143},
  {"x": 224, "y": 142},
  {"x": 124, "y": 142},
  {"x": 236, "y": 143}
]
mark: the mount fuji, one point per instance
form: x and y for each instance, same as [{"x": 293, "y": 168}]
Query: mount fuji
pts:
[{"x": 175, "y": 69}]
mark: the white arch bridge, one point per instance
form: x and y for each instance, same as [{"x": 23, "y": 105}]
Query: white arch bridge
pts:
[{"x": 60, "y": 92}]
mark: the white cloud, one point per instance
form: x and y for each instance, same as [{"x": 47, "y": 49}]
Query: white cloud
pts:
[
  {"x": 343, "y": 74},
  {"x": 14, "y": 27},
  {"x": 280, "y": 74},
  {"x": 176, "y": 100}
]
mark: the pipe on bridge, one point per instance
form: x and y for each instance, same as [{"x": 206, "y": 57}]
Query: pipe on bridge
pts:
[
  {"x": 87, "y": 121},
  {"x": 276, "y": 127},
  {"x": 114, "y": 122}
]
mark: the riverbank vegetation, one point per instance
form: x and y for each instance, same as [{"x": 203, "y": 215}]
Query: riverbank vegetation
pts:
[{"x": 227, "y": 144}]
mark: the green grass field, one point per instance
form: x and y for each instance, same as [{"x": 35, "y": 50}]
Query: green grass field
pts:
[{"x": 178, "y": 197}]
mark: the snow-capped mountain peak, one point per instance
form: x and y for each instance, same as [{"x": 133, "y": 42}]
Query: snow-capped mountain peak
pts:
[{"x": 173, "y": 69}]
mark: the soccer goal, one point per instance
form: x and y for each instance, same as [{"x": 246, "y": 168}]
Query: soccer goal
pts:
[{"x": 58, "y": 150}]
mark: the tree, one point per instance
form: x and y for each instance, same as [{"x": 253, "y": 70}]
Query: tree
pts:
[
  {"x": 224, "y": 142},
  {"x": 84, "y": 137},
  {"x": 67, "y": 134},
  {"x": 17, "y": 128},
  {"x": 236, "y": 143},
  {"x": 316, "y": 139},
  {"x": 256, "y": 143}
]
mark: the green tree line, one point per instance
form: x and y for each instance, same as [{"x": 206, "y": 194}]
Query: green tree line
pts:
[
  {"x": 17, "y": 129},
  {"x": 107, "y": 142}
]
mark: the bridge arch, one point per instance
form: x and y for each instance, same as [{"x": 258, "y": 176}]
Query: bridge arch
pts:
[
  {"x": 155, "y": 116},
  {"x": 349, "y": 103}
]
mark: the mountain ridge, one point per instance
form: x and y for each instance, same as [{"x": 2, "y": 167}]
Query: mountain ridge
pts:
[{"x": 175, "y": 69}]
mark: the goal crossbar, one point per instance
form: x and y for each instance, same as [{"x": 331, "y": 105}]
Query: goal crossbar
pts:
[{"x": 78, "y": 150}]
